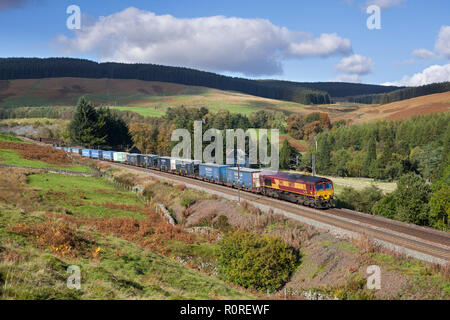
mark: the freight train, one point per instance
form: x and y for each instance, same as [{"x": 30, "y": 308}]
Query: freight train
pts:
[{"x": 312, "y": 191}]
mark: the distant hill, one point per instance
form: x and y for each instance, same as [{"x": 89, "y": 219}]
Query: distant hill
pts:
[
  {"x": 337, "y": 89},
  {"x": 402, "y": 94},
  {"x": 35, "y": 68},
  {"x": 301, "y": 92},
  {"x": 433, "y": 103}
]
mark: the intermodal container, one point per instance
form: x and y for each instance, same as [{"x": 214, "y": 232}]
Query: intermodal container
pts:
[
  {"x": 212, "y": 171},
  {"x": 187, "y": 166},
  {"x": 164, "y": 163},
  {"x": 244, "y": 177},
  {"x": 96, "y": 154},
  {"x": 119, "y": 157},
  {"x": 150, "y": 161},
  {"x": 108, "y": 155},
  {"x": 133, "y": 159},
  {"x": 86, "y": 153}
]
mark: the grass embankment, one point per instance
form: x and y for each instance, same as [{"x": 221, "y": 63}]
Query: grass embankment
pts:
[
  {"x": 123, "y": 248},
  {"x": 16, "y": 152}
]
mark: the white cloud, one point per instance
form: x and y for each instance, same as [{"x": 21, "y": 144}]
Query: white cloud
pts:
[
  {"x": 433, "y": 74},
  {"x": 355, "y": 64},
  {"x": 443, "y": 43},
  {"x": 324, "y": 46},
  {"x": 423, "y": 54},
  {"x": 355, "y": 78},
  {"x": 385, "y": 4},
  {"x": 218, "y": 43}
]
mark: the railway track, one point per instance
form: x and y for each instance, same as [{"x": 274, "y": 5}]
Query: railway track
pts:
[{"x": 420, "y": 242}]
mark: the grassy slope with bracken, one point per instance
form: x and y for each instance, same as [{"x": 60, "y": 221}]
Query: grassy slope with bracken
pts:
[{"x": 49, "y": 222}]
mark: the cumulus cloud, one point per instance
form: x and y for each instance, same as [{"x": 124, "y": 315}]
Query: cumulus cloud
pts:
[
  {"x": 249, "y": 46},
  {"x": 385, "y": 4},
  {"x": 355, "y": 64},
  {"x": 433, "y": 74},
  {"x": 443, "y": 43},
  {"x": 423, "y": 54}
]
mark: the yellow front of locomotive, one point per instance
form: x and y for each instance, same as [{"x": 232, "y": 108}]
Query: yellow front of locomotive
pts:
[{"x": 324, "y": 191}]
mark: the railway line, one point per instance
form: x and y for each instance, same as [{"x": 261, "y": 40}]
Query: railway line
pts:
[{"x": 420, "y": 242}]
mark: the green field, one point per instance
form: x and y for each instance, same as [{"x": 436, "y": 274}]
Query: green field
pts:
[{"x": 11, "y": 157}]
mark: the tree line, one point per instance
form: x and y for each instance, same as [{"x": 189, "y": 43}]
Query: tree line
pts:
[
  {"x": 414, "y": 152},
  {"x": 402, "y": 94}
]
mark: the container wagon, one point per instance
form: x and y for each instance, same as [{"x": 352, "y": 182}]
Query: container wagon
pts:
[
  {"x": 244, "y": 178},
  {"x": 213, "y": 172},
  {"x": 133, "y": 159},
  {"x": 187, "y": 167},
  {"x": 108, "y": 155},
  {"x": 150, "y": 161},
  {"x": 96, "y": 154},
  {"x": 164, "y": 163},
  {"x": 119, "y": 157},
  {"x": 86, "y": 153}
]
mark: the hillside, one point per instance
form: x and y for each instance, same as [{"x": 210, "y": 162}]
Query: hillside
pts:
[
  {"x": 433, "y": 103},
  {"x": 301, "y": 92},
  {"x": 144, "y": 97}
]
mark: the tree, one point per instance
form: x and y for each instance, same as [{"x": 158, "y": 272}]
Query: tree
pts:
[
  {"x": 295, "y": 123},
  {"x": 412, "y": 196},
  {"x": 324, "y": 155},
  {"x": 84, "y": 128},
  {"x": 93, "y": 128},
  {"x": 371, "y": 157}
]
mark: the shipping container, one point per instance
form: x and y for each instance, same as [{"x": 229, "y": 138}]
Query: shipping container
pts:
[
  {"x": 187, "y": 166},
  {"x": 212, "y": 171},
  {"x": 119, "y": 157},
  {"x": 96, "y": 154},
  {"x": 150, "y": 161},
  {"x": 164, "y": 163},
  {"x": 108, "y": 155},
  {"x": 86, "y": 153},
  {"x": 133, "y": 159},
  {"x": 244, "y": 177},
  {"x": 142, "y": 159}
]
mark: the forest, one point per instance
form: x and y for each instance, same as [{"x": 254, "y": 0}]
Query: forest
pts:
[{"x": 414, "y": 152}]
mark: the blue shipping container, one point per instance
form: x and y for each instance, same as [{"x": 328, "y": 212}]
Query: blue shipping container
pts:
[
  {"x": 245, "y": 177},
  {"x": 133, "y": 159},
  {"x": 164, "y": 163},
  {"x": 86, "y": 153},
  {"x": 212, "y": 171},
  {"x": 187, "y": 167},
  {"x": 150, "y": 160},
  {"x": 96, "y": 154},
  {"x": 108, "y": 155}
]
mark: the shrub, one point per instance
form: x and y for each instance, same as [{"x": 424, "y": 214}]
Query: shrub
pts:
[
  {"x": 187, "y": 202},
  {"x": 259, "y": 262},
  {"x": 363, "y": 200}
]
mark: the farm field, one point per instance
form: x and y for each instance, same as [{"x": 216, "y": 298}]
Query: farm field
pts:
[{"x": 361, "y": 183}]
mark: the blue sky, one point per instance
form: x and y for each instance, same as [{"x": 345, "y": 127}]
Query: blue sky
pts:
[{"x": 272, "y": 39}]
